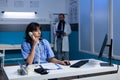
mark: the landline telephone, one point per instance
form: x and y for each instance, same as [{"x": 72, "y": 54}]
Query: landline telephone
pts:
[
  {"x": 41, "y": 70},
  {"x": 31, "y": 35}
]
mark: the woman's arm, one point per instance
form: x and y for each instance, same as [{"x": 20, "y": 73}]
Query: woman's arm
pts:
[
  {"x": 30, "y": 58},
  {"x": 54, "y": 60}
]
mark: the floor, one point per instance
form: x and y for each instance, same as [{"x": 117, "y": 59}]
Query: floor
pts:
[{"x": 2, "y": 74}]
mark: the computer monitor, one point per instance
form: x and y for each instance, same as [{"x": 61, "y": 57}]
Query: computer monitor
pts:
[{"x": 104, "y": 45}]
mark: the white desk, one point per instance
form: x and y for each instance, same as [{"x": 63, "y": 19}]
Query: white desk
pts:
[
  {"x": 90, "y": 69},
  {"x": 5, "y": 47}
]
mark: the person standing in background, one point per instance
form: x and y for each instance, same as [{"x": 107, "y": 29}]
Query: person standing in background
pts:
[{"x": 62, "y": 30}]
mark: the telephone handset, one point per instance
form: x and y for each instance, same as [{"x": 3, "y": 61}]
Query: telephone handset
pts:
[{"x": 31, "y": 35}]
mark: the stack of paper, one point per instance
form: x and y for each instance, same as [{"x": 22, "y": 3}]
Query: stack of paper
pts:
[{"x": 51, "y": 66}]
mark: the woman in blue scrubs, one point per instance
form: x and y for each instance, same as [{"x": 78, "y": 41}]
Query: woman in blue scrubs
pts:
[{"x": 37, "y": 50}]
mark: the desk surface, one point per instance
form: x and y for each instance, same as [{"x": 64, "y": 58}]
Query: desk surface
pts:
[{"x": 92, "y": 67}]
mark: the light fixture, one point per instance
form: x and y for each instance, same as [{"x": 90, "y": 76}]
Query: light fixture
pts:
[{"x": 18, "y": 14}]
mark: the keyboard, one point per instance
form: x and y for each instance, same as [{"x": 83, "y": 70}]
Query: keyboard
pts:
[{"x": 79, "y": 63}]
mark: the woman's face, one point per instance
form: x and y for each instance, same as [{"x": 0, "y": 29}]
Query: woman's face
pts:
[{"x": 37, "y": 33}]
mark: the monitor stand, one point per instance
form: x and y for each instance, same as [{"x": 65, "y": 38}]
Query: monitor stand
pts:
[
  {"x": 109, "y": 56},
  {"x": 106, "y": 64}
]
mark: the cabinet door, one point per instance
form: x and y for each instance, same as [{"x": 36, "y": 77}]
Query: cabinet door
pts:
[
  {"x": 99, "y": 27},
  {"x": 100, "y": 23},
  {"x": 85, "y": 37},
  {"x": 116, "y": 28}
]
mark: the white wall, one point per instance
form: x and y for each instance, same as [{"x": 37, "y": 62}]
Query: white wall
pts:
[{"x": 44, "y": 9}]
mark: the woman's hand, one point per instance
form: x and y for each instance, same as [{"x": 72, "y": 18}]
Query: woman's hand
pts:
[{"x": 65, "y": 62}]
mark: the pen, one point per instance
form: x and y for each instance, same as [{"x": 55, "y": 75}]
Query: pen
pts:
[
  {"x": 58, "y": 66},
  {"x": 20, "y": 64},
  {"x": 27, "y": 65}
]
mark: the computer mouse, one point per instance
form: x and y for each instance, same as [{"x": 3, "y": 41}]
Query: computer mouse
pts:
[{"x": 67, "y": 63}]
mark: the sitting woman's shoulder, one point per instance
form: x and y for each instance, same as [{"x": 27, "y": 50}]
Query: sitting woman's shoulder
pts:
[{"x": 45, "y": 40}]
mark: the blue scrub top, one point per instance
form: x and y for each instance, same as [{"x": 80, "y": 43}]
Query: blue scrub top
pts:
[{"x": 44, "y": 48}]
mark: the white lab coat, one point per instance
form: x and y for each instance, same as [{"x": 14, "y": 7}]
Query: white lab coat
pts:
[{"x": 65, "y": 41}]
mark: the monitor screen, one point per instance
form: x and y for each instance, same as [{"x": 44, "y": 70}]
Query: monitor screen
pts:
[{"x": 103, "y": 46}]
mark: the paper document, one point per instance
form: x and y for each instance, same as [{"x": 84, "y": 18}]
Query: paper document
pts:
[{"x": 51, "y": 66}]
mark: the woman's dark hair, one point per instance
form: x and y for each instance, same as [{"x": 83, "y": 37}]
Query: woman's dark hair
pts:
[{"x": 31, "y": 27}]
